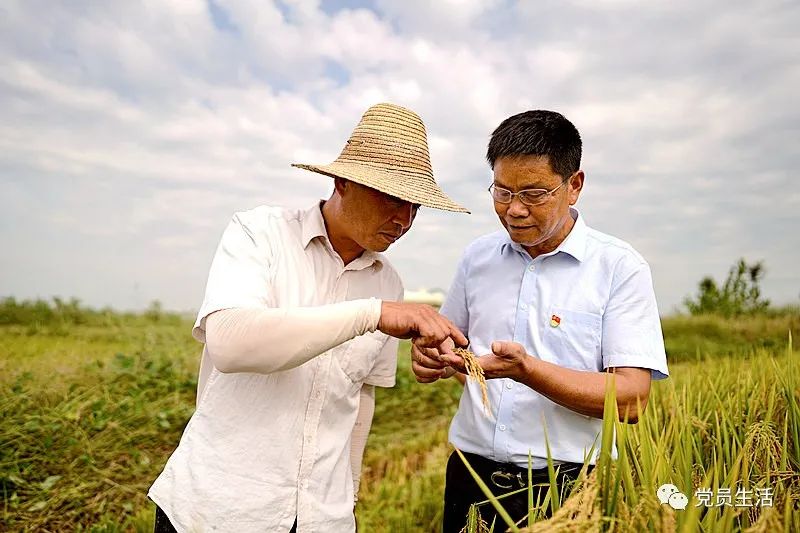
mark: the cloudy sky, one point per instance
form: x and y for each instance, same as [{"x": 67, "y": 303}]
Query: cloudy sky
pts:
[{"x": 130, "y": 132}]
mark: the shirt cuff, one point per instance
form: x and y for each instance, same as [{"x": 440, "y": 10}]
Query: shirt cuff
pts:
[{"x": 373, "y": 314}]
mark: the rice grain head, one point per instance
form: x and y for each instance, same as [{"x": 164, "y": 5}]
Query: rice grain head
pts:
[{"x": 475, "y": 372}]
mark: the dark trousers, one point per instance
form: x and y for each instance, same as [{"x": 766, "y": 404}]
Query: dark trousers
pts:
[
  {"x": 461, "y": 490},
  {"x": 163, "y": 525}
]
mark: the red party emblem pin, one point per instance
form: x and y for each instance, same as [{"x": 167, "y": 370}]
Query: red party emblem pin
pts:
[{"x": 555, "y": 320}]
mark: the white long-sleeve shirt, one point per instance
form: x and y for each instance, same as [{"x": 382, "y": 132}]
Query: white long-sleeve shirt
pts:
[{"x": 271, "y": 438}]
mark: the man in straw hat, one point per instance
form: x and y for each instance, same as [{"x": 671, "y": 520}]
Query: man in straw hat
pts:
[
  {"x": 555, "y": 309},
  {"x": 300, "y": 320}
]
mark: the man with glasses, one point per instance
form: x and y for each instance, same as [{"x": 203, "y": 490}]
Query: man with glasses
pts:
[{"x": 555, "y": 311}]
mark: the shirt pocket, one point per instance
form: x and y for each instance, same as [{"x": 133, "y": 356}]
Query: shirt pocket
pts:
[
  {"x": 574, "y": 339},
  {"x": 357, "y": 356}
]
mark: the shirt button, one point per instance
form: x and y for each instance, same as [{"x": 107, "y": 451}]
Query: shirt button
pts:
[
  {"x": 531, "y": 268},
  {"x": 523, "y": 306},
  {"x": 502, "y": 427},
  {"x": 509, "y": 385}
]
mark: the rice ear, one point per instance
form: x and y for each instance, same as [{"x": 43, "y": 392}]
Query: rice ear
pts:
[{"x": 475, "y": 372}]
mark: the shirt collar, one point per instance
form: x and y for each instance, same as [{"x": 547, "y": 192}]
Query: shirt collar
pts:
[
  {"x": 313, "y": 226},
  {"x": 574, "y": 244}
]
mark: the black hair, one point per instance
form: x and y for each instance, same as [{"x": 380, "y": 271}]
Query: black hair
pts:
[{"x": 538, "y": 133}]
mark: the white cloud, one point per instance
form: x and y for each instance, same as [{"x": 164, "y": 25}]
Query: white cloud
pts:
[{"x": 138, "y": 129}]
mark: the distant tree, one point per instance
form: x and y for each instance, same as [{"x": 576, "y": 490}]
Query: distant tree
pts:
[
  {"x": 739, "y": 295},
  {"x": 62, "y": 312},
  {"x": 155, "y": 311},
  {"x": 71, "y": 311}
]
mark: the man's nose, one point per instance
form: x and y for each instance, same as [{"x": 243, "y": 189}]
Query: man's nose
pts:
[
  {"x": 405, "y": 215},
  {"x": 517, "y": 209}
]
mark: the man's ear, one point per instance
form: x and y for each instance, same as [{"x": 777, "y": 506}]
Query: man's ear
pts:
[
  {"x": 575, "y": 186},
  {"x": 339, "y": 185}
]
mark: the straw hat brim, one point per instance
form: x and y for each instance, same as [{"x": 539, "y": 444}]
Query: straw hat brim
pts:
[{"x": 412, "y": 188}]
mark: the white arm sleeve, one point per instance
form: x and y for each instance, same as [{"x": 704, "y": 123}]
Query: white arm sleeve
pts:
[
  {"x": 273, "y": 339},
  {"x": 358, "y": 440}
]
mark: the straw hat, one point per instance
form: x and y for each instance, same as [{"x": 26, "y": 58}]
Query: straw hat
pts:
[{"x": 388, "y": 151}]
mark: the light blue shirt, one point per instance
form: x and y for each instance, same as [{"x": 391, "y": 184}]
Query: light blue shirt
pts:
[{"x": 588, "y": 305}]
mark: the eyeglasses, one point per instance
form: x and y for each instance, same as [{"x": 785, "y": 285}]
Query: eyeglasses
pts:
[{"x": 529, "y": 197}]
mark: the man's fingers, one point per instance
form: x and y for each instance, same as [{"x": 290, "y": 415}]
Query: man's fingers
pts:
[
  {"x": 417, "y": 347},
  {"x": 432, "y": 334},
  {"x": 434, "y": 326},
  {"x": 506, "y": 348},
  {"x": 458, "y": 337},
  {"x": 433, "y": 353},
  {"x": 424, "y": 324},
  {"x": 454, "y": 361},
  {"x": 427, "y": 360},
  {"x": 492, "y": 366},
  {"x": 447, "y": 346},
  {"x": 426, "y": 375},
  {"x": 452, "y": 332}
]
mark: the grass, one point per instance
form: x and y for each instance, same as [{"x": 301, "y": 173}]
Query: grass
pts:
[
  {"x": 87, "y": 419},
  {"x": 695, "y": 338},
  {"x": 90, "y": 413}
]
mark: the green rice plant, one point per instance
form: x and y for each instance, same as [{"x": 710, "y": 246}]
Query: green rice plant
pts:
[
  {"x": 725, "y": 427},
  {"x": 491, "y": 497}
]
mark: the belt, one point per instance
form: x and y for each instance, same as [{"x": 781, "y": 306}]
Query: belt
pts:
[{"x": 507, "y": 475}]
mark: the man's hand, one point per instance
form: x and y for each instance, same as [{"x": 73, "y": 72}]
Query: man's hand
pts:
[
  {"x": 423, "y": 322},
  {"x": 582, "y": 391},
  {"x": 427, "y": 363},
  {"x": 507, "y": 360}
]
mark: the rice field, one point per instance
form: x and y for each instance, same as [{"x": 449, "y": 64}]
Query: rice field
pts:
[
  {"x": 725, "y": 434},
  {"x": 91, "y": 411}
]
